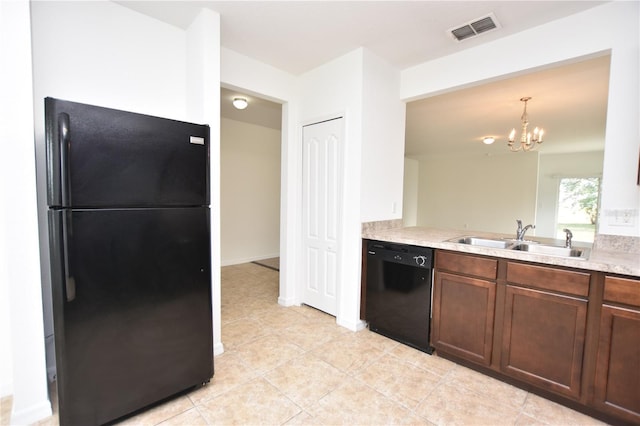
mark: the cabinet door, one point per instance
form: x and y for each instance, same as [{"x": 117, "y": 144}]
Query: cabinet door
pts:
[
  {"x": 463, "y": 316},
  {"x": 617, "y": 384},
  {"x": 543, "y": 339}
]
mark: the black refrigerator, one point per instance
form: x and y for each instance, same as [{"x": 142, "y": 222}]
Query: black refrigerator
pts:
[{"x": 129, "y": 234}]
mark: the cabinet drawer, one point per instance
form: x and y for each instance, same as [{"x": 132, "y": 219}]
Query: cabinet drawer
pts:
[
  {"x": 468, "y": 265},
  {"x": 544, "y": 278},
  {"x": 622, "y": 290}
]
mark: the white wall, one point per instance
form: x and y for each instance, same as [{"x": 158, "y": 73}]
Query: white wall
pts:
[
  {"x": 101, "y": 53},
  {"x": 461, "y": 191},
  {"x": 250, "y": 192},
  {"x": 383, "y": 118},
  {"x": 203, "y": 106},
  {"x": 19, "y": 257},
  {"x": 489, "y": 192},
  {"x": 410, "y": 192},
  {"x": 331, "y": 90},
  {"x": 554, "y": 167},
  {"x": 612, "y": 26},
  {"x": 6, "y": 361}
]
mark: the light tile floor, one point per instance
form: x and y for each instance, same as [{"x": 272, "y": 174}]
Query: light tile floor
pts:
[{"x": 295, "y": 366}]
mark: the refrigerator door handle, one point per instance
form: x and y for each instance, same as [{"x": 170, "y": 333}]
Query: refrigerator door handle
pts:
[
  {"x": 63, "y": 286},
  {"x": 69, "y": 280},
  {"x": 63, "y": 139}
]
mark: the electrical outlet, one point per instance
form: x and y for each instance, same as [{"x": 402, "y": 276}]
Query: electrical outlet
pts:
[{"x": 622, "y": 217}]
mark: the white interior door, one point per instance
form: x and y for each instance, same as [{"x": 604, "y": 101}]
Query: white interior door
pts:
[{"x": 322, "y": 153}]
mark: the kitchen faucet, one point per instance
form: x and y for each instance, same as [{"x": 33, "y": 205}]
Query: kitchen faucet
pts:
[
  {"x": 569, "y": 236},
  {"x": 521, "y": 231}
]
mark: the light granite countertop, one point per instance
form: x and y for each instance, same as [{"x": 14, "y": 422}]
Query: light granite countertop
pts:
[{"x": 616, "y": 262}]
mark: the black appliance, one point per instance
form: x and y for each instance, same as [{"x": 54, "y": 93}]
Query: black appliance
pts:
[
  {"x": 398, "y": 292},
  {"x": 129, "y": 234}
]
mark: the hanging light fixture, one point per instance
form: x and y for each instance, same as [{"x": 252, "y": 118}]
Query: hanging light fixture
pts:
[
  {"x": 240, "y": 103},
  {"x": 528, "y": 141}
]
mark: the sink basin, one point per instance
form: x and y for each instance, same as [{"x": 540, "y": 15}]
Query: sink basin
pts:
[
  {"x": 552, "y": 250},
  {"x": 484, "y": 242},
  {"x": 533, "y": 247}
]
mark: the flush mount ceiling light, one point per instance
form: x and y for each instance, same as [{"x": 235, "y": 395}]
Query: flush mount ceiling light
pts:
[
  {"x": 240, "y": 103},
  {"x": 528, "y": 142},
  {"x": 488, "y": 140}
]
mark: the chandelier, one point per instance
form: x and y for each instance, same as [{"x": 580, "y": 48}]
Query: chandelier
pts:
[{"x": 528, "y": 141}]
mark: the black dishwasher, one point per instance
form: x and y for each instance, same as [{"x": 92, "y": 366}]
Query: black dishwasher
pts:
[{"x": 398, "y": 292}]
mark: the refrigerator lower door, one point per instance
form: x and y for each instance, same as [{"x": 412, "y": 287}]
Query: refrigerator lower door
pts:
[{"x": 138, "y": 327}]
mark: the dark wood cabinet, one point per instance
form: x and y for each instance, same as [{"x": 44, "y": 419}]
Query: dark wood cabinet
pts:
[
  {"x": 544, "y": 327},
  {"x": 463, "y": 314},
  {"x": 543, "y": 339},
  {"x": 464, "y": 306},
  {"x": 571, "y": 335},
  {"x": 617, "y": 377}
]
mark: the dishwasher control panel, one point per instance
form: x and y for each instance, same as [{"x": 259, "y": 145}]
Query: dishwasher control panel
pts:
[{"x": 421, "y": 257}]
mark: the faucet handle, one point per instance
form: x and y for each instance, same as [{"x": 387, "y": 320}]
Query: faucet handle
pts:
[
  {"x": 569, "y": 236},
  {"x": 519, "y": 222}
]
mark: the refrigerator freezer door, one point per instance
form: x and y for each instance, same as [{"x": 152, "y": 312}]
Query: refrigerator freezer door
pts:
[
  {"x": 139, "y": 326},
  {"x": 101, "y": 157}
]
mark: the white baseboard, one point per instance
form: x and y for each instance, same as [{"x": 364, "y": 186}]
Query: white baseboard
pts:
[
  {"x": 229, "y": 262},
  {"x": 353, "y": 326},
  {"x": 32, "y": 414},
  {"x": 6, "y": 389},
  {"x": 218, "y": 349},
  {"x": 286, "y": 302}
]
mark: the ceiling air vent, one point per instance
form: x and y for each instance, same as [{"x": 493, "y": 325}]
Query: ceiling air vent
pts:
[{"x": 477, "y": 26}]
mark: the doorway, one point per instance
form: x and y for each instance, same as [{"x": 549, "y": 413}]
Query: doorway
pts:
[{"x": 250, "y": 145}]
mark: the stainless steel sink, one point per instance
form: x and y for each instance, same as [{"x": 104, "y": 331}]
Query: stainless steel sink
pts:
[
  {"x": 483, "y": 242},
  {"x": 533, "y": 247},
  {"x": 553, "y": 250}
]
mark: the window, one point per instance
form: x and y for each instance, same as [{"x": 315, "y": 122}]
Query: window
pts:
[{"x": 578, "y": 202}]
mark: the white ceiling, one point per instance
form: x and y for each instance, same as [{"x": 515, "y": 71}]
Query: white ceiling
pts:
[
  {"x": 569, "y": 102},
  {"x": 297, "y": 36}
]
